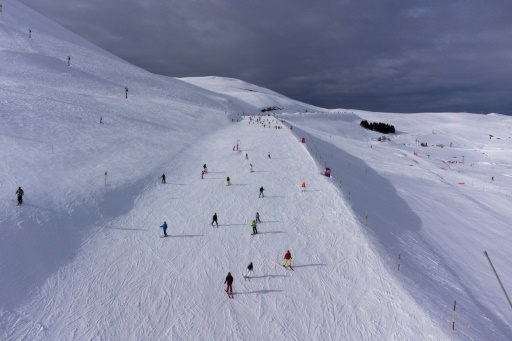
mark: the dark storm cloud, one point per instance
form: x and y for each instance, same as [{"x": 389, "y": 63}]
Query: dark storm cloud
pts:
[{"x": 402, "y": 56}]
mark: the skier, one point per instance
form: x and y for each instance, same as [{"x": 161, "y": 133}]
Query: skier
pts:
[
  {"x": 251, "y": 167},
  {"x": 269, "y": 152},
  {"x": 229, "y": 182},
  {"x": 205, "y": 169},
  {"x": 303, "y": 187},
  {"x": 258, "y": 217},
  {"x": 246, "y": 156},
  {"x": 261, "y": 192},
  {"x": 20, "y": 194},
  {"x": 288, "y": 259},
  {"x": 164, "y": 227},
  {"x": 163, "y": 178},
  {"x": 202, "y": 174},
  {"x": 215, "y": 219},
  {"x": 229, "y": 282},
  {"x": 101, "y": 119},
  {"x": 254, "y": 225},
  {"x": 248, "y": 271}
]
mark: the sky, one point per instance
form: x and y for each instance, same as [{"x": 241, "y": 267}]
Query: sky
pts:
[{"x": 394, "y": 55}]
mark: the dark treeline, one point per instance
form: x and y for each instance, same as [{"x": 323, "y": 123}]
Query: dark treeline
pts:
[
  {"x": 270, "y": 109},
  {"x": 378, "y": 126}
]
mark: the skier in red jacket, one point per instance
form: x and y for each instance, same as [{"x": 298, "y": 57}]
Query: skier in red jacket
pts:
[{"x": 288, "y": 259}]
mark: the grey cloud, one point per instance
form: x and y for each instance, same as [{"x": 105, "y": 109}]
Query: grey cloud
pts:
[{"x": 402, "y": 56}]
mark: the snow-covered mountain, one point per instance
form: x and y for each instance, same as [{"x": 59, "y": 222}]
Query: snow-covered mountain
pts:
[{"x": 82, "y": 258}]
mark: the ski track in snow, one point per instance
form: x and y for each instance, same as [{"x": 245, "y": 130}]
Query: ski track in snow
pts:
[{"x": 130, "y": 284}]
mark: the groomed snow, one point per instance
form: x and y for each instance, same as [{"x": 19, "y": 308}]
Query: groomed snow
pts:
[{"x": 82, "y": 258}]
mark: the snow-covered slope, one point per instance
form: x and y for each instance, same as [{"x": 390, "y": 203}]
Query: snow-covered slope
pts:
[
  {"x": 249, "y": 96},
  {"x": 55, "y": 148},
  {"x": 82, "y": 258},
  {"x": 439, "y": 206}
]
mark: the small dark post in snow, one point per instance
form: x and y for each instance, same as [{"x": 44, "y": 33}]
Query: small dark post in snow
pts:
[
  {"x": 453, "y": 317},
  {"x": 126, "y": 92},
  {"x": 69, "y": 61},
  {"x": 105, "y": 178},
  {"x": 29, "y": 33}
]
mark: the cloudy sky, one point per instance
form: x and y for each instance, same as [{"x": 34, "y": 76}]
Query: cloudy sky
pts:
[{"x": 380, "y": 55}]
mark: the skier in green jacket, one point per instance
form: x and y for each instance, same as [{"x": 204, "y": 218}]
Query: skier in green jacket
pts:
[{"x": 254, "y": 229}]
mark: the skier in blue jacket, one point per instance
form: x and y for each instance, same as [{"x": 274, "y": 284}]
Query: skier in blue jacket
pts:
[{"x": 164, "y": 227}]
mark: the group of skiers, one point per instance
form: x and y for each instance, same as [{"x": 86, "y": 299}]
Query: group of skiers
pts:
[
  {"x": 248, "y": 271},
  {"x": 254, "y": 224}
]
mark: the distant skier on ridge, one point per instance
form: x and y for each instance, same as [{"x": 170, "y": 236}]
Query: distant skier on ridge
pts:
[{"x": 163, "y": 178}]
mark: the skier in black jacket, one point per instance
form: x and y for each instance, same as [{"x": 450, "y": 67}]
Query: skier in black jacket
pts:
[
  {"x": 229, "y": 282},
  {"x": 20, "y": 194},
  {"x": 248, "y": 271},
  {"x": 261, "y": 192},
  {"x": 215, "y": 219}
]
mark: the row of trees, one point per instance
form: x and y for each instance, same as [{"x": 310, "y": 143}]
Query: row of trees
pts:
[
  {"x": 378, "y": 126},
  {"x": 270, "y": 109}
]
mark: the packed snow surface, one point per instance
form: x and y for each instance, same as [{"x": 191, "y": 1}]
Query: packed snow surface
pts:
[{"x": 83, "y": 257}]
